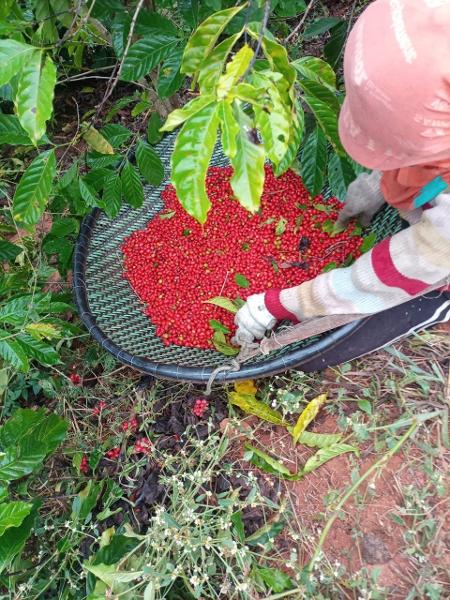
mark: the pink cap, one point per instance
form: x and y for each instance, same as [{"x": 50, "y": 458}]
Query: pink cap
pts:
[{"x": 397, "y": 75}]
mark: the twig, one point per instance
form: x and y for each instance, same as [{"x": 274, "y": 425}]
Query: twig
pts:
[
  {"x": 302, "y": 20},
  {"x": 260, "y": 38},
  {"x": 376, "y": 465},
  {"x": 117, "y": 71},
  {"x": 72, "y": 25}
]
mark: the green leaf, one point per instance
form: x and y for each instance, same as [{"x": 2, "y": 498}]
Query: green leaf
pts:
[
  {"x": 18, "y": 462},
  {"x": 325, "y": 111},
  {"x": 320, "y": 26},
  {"x": 314, "y": 161},
  {"x": 316, "y": 69},
  {"x": 8, "y": 251},
  {"x": 279, "y": 61},
  {"x": 247, "y": 181},
  {"x": 221, "y": 345},
  {"x": 319, "y": 440},
  {"x": 241, "y": 281},
  {"x": 329, "y": 267},
  {"x": 150, "y": 22},
  {"x": 224, "y": 303},
  {"x": 34, "y": 188},
  {"x": 180, "y": 115},
  {"x": 153, "y": 126},
  {"x": 145, "y": 54},
  {"x": 369, "y": 242},
  {"x": 266, "y": 463},
  {"x": 229, "y": 129},
  {"x": 95, "y": 140},
  {"x": 13, "y": 56},
  {"x": 248, "y": 93},
  {"x": 112, "y": 195},
  {"x": 12, "y": 352},
  {"x": 334, "y": 48},
  {"x": 37, "y": 349},
  {"x": 86, "y": 500},
  {"x": 235, "y": 69},
  {"x": 281, "y": 226},
  {"x": 115, "y": 134},
  {"x": 275, "y": 579},
  {"x": 218, "y": 326},
  {"x": 13, "y": 540},
  {"x": 295, "y": 140},
  {"x": 12, "y": 514},
  {"x": 35, "y": 91},
  {"x": 307, "y": 415},
  {"x": 212, "y": 67},
  {"x": 110, "y": 575},
  {"x": 87, "y": 193},
  {"x": 190, "y": 160},
  {"x": 325, "y": 454},
  {"x": 33, "y": 425},
  {"x": 250, "y": 405},
  {"x": 274, "y": 126},
  {"x": 149, "y": 163},
  {"x": 170, "y": 78},
  {"x": 132, "y": 187},
  {"x": 365, "y": 406},
  {"x": 340, "y": 175},
  {"x": 267, "y": 533},
  {"x": 204, "y": 37},
  {"x": 12, "y": 132}
]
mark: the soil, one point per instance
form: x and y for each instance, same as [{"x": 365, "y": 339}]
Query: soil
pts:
[{"x": 365, "y": 536}]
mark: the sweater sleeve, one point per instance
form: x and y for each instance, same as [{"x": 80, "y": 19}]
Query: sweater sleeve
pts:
[{"x": 395, "y": 270}]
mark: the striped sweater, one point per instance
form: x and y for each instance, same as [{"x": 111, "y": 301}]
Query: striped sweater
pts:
[{"x": 394, "y": 271}]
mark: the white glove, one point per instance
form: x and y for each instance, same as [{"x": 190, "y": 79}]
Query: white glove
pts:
[
  {"x": 364, "y": 199},
  {"x": 252, "y": 320}
]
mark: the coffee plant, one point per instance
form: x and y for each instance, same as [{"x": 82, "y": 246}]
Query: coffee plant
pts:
[{"x": 243, "y": 88}]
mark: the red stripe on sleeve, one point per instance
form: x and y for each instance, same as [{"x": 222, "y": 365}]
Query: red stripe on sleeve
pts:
[
  {"x": 274, "y": 306},
  {"x": 388, "y": 273}
]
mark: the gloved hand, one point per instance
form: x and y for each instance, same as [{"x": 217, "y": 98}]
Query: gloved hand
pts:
[
  {"x": 252, "y": 320},
  {"x": 364, "y": 199}
]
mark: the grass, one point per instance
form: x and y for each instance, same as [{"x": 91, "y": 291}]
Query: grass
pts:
[{"x": 220, "y": 528}]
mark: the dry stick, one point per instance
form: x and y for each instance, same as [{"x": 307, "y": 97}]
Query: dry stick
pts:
[
  {"x": 302, "y": 20},
  {"x": 379, "y": 463},
  {"x": 117, "y": 72}
]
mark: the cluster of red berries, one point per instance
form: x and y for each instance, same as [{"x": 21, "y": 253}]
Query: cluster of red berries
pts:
[
  {"x": 75, "y": 378},
  {"x": 84, "y": 464},
  {"x": 130, "y": 425},
  {"x": 175, "y": 265},
  {"x": 143, "y": 446},
  {"x": 200, "y": 407},
  {"x": 97, "y": 410},
  {"x": 113, "y": 453}
]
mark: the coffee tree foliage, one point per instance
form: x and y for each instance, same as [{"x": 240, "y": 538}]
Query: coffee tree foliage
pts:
[{"x": 221, "y": 67}]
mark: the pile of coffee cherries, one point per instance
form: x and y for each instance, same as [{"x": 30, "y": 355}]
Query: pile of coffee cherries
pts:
[{"x": 176, "y": 265}]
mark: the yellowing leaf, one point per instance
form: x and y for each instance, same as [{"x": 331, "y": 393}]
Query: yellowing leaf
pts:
[
  {"x": 96, "y": 141},
  {"x": 42, "y": 331},
  {"x": 250, "y": 405},
  {"x": 234, "y": 71},
  {"x": 245, "y": 387},
  {"x": 307, "y": 416}
]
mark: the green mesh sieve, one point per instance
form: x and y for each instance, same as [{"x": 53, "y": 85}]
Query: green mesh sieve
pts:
[{"x": 114, "y": 314}]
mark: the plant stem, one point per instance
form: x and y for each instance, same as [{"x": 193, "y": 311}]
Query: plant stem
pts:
[
  {"x": 260, "y": 39},
  {"x": 302, "y": 20},
  {"x": 378, "y": 464},
  {"x": 116, "y": 75}
]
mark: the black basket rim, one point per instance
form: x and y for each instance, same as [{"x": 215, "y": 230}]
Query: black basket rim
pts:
[{"x": 265, "y": 368}]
